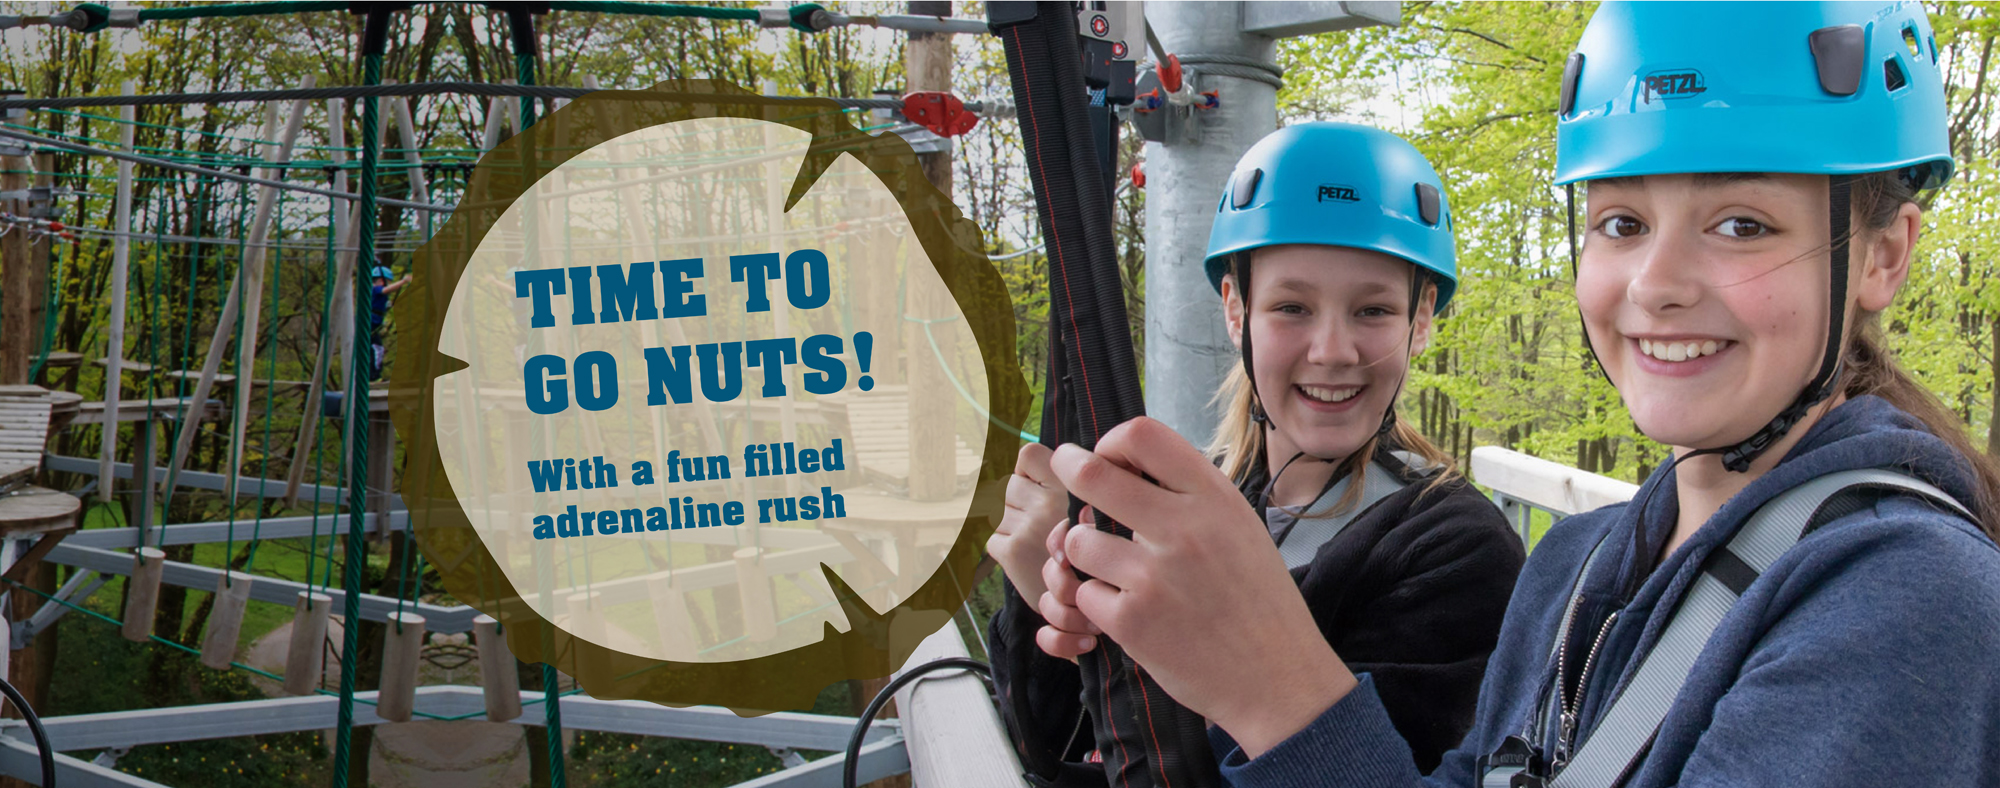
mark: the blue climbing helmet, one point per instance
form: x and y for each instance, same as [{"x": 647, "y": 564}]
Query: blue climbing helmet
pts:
[
  {"x": 1819, "y": 88},
  {"x": 1336, "y": 184},
  {"x": 1829, "y": 88},
  {"x": 382, "y": 272}
]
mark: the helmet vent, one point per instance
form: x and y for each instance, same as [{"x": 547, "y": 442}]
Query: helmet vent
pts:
[
  {"x": 1910, "y": 40},
  {"x": 1572, "y": 70},
  {"x": 1892, "y": 75},
  {"x": 1428, "y": 205},
  {"x": 1838, "y": 51},
  {"x": 1244, "y": 188}
]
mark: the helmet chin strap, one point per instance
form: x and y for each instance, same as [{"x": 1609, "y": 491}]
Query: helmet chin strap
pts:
[
  {"x": 1239, "y": 265},
  {"x": 1738, "y": 457}
]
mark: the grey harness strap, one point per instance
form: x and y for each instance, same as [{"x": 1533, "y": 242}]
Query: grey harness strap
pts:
[
  {"x": 1305, "y": 532},
  {"x": 1627, "y": 728}
]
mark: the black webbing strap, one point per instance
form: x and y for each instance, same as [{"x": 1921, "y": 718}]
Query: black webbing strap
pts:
[{"x": 1146, "y": 739}]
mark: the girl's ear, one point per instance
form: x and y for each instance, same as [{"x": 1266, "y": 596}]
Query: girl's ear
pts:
[
  {"x": 1889, "y": 255},
  {"x": 1232, "y": 311},
  {"x": 1425, "y": 319}
]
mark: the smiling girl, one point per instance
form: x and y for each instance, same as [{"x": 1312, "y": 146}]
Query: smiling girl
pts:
[
  {"x": 1332, "y": 250},
  {"x": 1755, "y": 617}
]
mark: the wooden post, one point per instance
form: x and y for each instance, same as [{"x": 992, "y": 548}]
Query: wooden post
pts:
[
  {"x": 933, "y": 459},
  {"x": 253, "y": 287},
  {"x": 670, "y": 615},
  {"x": 498, "y": 676},
  {"x": 121, "y": 251},
  {"x": 402, "y": 651},
  {"x": 760, "y": 612},
  {"x": 381, "y": 464},
  {"x": 225, "y": 620},
  {"x": 343, "y": 278},
  {"x": 306, "y": 656},
  {"x": 16, "y": 330},
  {"x": 267, "y": 198},
  {"x": 142, "y": 593}
]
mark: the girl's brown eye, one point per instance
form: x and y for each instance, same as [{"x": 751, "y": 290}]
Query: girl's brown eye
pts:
[
  {"x": 1740, "y": 227},
  {"x": 1622, "y": 227}
]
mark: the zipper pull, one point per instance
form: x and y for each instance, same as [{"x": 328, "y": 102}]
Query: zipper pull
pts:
[{"x": 1564, "y": 736}]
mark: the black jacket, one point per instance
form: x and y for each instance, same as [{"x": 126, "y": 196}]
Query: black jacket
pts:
[{"x": 1412, "y": 591}]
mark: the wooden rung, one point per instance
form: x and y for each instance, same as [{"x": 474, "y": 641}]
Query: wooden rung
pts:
[
  {"x": 142, "y": 593},
  {"x": 402, "y": 651},
  {"x": 63, "y": 358},
  {"x": 225, "y": 621},
  {"x": 497, "y": 674},
  {"x": 306, "y": 657}
]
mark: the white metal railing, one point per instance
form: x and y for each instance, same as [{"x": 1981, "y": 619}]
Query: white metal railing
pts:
[
  {"x": 953, "y": 735},
  {"x": 1522, "y": 484}
]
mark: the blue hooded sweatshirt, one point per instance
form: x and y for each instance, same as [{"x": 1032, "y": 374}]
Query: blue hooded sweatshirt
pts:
[{"x": 1867, "y": 655}]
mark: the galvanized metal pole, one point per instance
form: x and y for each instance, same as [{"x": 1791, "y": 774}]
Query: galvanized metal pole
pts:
[
  {"x": 1229, "y": 48},
  {"x": 1187, "y": 350}
]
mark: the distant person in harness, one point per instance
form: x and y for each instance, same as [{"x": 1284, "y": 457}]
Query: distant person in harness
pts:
[
  {"x": 1809, "y": 594},
  {"x": 1332, "y": 249},
  {"x": 379, "y": 309}
]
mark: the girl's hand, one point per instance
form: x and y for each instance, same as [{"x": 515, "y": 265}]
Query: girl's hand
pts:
[
  {"x": 1198, "y": 595},
  {"x": 1036, "y": 501}
]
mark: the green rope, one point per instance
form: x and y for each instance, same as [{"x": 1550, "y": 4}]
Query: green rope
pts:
[
  {"x": 271, "y": 390},
  {"x": 252, "y": 669},
  {"x": 155, "y": 14},
  {"x": 357, "y": 403},
  {"x": 967, "y": 395},
  {"x": 524, "y": 67},
  {"x": 319, "y": 437},
  {"x": 49, "y": 311},
  {"x": 655, "y": 9}
]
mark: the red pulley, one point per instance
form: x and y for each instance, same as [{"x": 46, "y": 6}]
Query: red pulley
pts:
[
  {"x": 1170, "y": 73},
  {"x": 940, "y": 112},
  {"x": 1139, "y": 175}
]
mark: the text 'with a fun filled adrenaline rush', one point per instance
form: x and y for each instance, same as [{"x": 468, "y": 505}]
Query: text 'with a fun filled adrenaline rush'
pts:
[{"x": 676, "y": 512}]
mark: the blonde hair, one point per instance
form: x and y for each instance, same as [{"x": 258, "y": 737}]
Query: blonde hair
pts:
[{"x": 1238, "y": 445}]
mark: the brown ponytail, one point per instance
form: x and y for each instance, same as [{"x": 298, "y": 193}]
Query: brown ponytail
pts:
[{"x": 1872, "y": 369}]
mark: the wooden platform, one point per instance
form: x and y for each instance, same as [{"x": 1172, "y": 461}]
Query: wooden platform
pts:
[
  {"x": 879, "y": 420},
  {"x": 141, "y": 409},
  {"x": 24, "y": 423},
  {"x": 37, "y": 510}
]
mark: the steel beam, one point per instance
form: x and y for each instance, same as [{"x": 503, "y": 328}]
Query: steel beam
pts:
[
  {"x": 264, "y": 589},
  {"x": 19, "y": 758},
  {"x": 319, "y": 712}
]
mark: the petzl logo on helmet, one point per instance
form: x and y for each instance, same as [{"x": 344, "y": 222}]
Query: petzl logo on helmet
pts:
[
  {"x": 1673, "y": 84},
  {"x": 1337, "y": 193}
]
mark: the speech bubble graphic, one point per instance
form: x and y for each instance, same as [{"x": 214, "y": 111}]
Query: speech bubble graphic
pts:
[{"x": 704, "y": 400}]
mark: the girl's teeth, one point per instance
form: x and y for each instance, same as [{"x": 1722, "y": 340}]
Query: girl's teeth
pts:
[
  {"x": 1679, "y": 351},
  {"x": 1323, "y": 395}
]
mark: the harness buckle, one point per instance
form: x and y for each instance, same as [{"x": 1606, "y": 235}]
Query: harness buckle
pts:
[{"x": 1515, "y": 764}]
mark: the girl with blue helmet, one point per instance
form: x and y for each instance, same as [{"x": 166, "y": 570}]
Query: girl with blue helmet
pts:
[
  {"x": 1332, "y": 250},
  {"x": 1808, "y": 595}
]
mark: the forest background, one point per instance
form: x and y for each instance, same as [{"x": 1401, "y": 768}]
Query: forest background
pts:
[{"x": 1472, "y": 84}]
